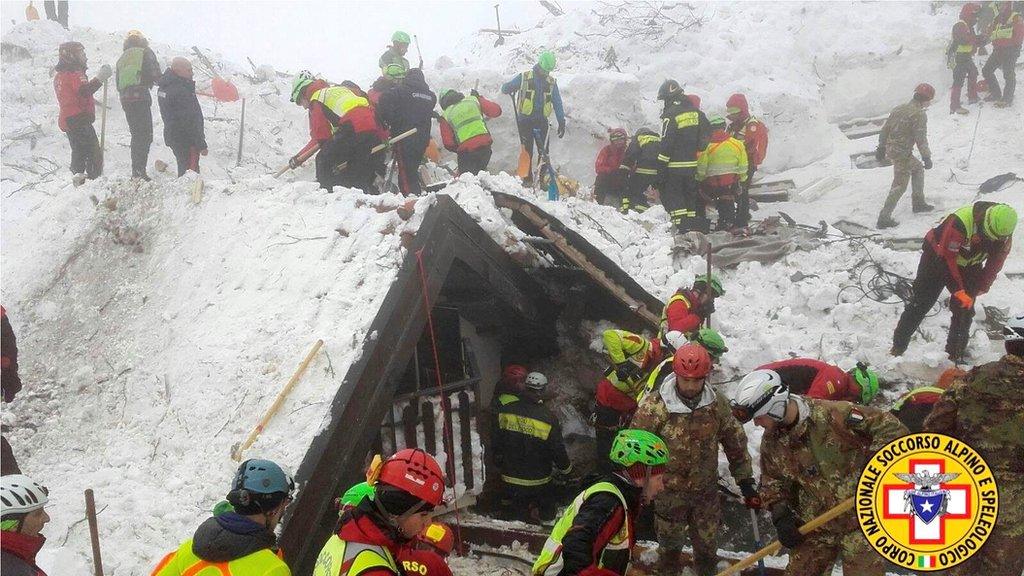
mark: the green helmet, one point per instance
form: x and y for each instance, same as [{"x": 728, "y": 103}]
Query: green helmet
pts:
[
  {"x": 302, "y": 79},
  {"x": 712, "y": 281},
  {"x": 354, "y": 495},
  {"x": 717, "y": 121},
  {"x": 638, "y": 447},
  {"x": 867, "y": 380},
  {"x": 1000, "y": 220},
  {"x": 712, "y": 341},
  {"x": 222, "y": 507},
  {"x": 394, "y": 71},
  {"x": 547, "y": 60},
  {"x": 400, "y": 37}
]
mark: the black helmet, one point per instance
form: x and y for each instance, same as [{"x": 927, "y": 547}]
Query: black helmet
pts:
[{"x": 669, "y": 90}]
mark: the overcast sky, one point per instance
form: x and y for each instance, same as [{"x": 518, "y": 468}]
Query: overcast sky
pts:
[{"x": 336, "y": 39}]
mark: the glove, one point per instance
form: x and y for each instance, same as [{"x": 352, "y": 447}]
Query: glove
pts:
[
  {"x": 625, "y": 370},
  {"x": 965, "y": 300},
  {"x": 473, "y": 92},
  {"x": 880, "y": 154},
  {"x": 104, "y": 73},
  {"x": 788, "y": 527},
  {"x": 561, "y": 130},
  {"x": 927, "y": 161},
  {"x": 294, "y": 162},
  {"x": 751, "y": 499}
]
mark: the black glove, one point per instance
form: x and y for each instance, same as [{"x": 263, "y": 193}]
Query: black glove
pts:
[
  {"x": 927, "y": 161},
  {"x": 294, "y": 163},
  {"x": 788, "y": 526},
  {"x": 880, "y": 154},
  {"x": 751, "y": 499},
  {"x": 561, "y": 130},
  {"x": 473, "y": 92},
  {"x": 625, "y": 370}
]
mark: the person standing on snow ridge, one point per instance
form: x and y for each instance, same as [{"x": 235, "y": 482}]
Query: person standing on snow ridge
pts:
[
  {"x": 639, "y": 170},
  {"x": 686, "y": 310},
  {"x": 693, "y": 419},
  {"x": 22, "y": 517},
  {"x": 408, "y": 486},
  {"x": 537, "y": 96},
  {"x": 58, "y": 13},
  {"x": 78, "y": 109},
  {"x": 137, "y": 71},
  {"x": 409, "y": 105},
  {"x": 754, "y": 135},
  {"x": 821, "y": 380},
  {"x": 952, "y": 257},
  {"x": 684, "y": 134},
  {"x": 722, "y": 171},
  {"x": 962, "y": 47},
  {"x": 1007, "y": 36},
  {"x": 11, "y": 384},
  {"x": 609, "y": 184},
  {"x": 426, "y": 555},
  {"x": 985, "y": 409},
  {"x": 596, "y": 533},
  {"x": 395, "y": 54},
  {"x": 906, "y": 126},
  {"x": 243, "y": 540},
  {"x": 812, "y": 453},
  {"x": 184, "y": 132},
  {"x": 464, "y": 129}
]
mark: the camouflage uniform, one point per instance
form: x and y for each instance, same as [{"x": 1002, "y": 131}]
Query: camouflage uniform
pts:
[
  {"x": 815, "y": 465},
  {"x": 985, "y": 409},
  {"x": 690, "y": 499},
  {"x": 906, "y": 126}
]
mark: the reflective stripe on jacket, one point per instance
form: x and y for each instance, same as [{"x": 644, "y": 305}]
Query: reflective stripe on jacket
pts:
[
  {"x": 341, "y": 558},
  {"x": 184, "y": 562},
  {"x": 466, "y": 119},
  {"x": 549, "y": 560},
  {"x": 339, "y": 100},
  {"x": 528, "y": 93}
]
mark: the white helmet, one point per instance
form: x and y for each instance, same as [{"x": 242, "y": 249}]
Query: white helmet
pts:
[
  {"x": 674, "y": 339},
  {"x": 536, "y": 381},
  {"x": 1013, "y": 331},
  {"x": 761, "y": 392},
  {"x": 20, "y": 495}
]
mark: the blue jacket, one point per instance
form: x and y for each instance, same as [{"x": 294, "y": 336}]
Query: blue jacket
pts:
[{"x": 539, "y": 85}]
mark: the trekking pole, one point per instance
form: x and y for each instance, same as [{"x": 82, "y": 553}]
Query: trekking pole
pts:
[
  {"x": 757, "y": 540},
  {"x": 237, "y": 449},
  {"x": 828, "y": 516},
  {"x": 94, "y": 532},
  {"x": 302, "y": 159},
  {"x": 341, "y": 167},
  {"x": 241, "y": 133}
]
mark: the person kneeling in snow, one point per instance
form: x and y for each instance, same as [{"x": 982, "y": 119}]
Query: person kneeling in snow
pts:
[
  {"x": 78, "y": 109},
  {"x": 242, "y": 539},
  {"x": 22, "y": 517},
  {"x": 184, "y": 133}
]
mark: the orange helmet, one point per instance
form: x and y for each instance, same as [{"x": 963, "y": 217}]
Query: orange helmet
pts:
[
  {"x": 440, "y": 536},
  {"x": 925, "y": 91},
  {"x": 691, "y": 361}
]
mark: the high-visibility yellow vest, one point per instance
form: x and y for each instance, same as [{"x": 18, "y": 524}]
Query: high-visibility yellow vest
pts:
[
  {"x": 726, "y": 157},
  {"x": 466, "y": 119},
  {"x": 623, "y": 346},
  {"x": 527, "y": 93},
  {"x": 966, "y": 217},
  {"x": 964, "y": 48},
  {"x": 1004, "y": 30},
  {"x": 184, "y": 562},
  {"x": 342, "y": 558},
  {"x": 933, "y": 389},
  {"x": 550, "y": 559},
  {"x": 339, "y": 99}
]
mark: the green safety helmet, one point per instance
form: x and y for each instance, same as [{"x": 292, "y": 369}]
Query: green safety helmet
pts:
[
  {"x": 222, "y": 507},
  {"x": 1000, "y": 221},
  {"x": 712, "y": 341},
  {"x": 400, "y": 37},
  {"x": 302, "y": 79},
  {"x": 354, "y": 495},
  {"x": 717, "y": 121},
  {"x": 394, "y": 71},
  {"x": 638, "y": 447},
  {"x": 712, "y": 281},
  {"x": 867, "y": 380},
  {"x": 547, "y": 60}
]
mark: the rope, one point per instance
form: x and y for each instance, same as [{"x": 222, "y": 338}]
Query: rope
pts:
[
  {"x": 977, "y": 120},
  {"x": 882, "y": 285},
  {"x": 446, "y": 429}
]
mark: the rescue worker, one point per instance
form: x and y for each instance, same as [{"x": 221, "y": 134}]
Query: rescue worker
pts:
[
  {"x": 536, "y": 96},
  {"x": 528, "y": 451},
  {"x": 22, "y": 518},
  {"x": 985, "y": 410},
  {"x": 824, "y": 381},
  {"x": 408, "y": 486},
  {"x": 78, "y": 109},
  {"x": 241, "y": 541},
  {"x": 687, "y": 309},
  {"x": 914, "y": 406},
  {"x": 754, "y": 135},
  {"x": 409, "y": 105},
  {"x": 395, "y": 54},
  {"x": 906, "y": 126},
  {"x": 464, "y": 128},
  {"x": 962, "y": 48},
  {"x": 684, "y": 134},
  {"x": 507, "y": 389},
  {"x": 693, "y": 419},
  {"x": 343, "y": 126},
  {"x": 640, "y": 166},
  {"x": 631, "y": 358},
  {"x": 963, "y": 254},
  {"x": 608, "y": 185},
  {"x": 711, "y": 340},
  {"x": 11, "y": 385},
  {"x": 392, "y": 77},
  {"x": 1007, "y": 36},
  {"x": 695, "y": 100},
  {"x": 812, "y": 453},
  {"x": 426, "y": 554},
  {"x": 354, "y": 495},
  {"x": 721, "y": 172},
  {"x": 137, "y": 71},
  {"x": 595, "y": 535},
  {"x": 182, "y": 115}
]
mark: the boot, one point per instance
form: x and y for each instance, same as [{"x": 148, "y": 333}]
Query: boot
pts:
[
  {"x": 923, "y": 208},
  {"x": 886, "y": 223},
  {"x": 670, "y": 563},
  {"x": 1004, "y": 103},
  {"x": 959, "y": 110},
  {"x": 78, "y": 179}
]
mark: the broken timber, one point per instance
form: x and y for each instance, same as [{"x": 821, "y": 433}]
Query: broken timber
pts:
[{"x": 776, "y": 191}]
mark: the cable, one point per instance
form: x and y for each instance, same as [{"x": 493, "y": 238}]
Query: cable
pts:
[{"x": 882, "y": 285}]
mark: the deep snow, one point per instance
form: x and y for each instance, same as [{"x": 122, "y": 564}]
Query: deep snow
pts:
[{"x": 154, "y": 332}]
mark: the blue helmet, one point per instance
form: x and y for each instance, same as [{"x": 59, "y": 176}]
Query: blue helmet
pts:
[{"x": 259, "y": 486}]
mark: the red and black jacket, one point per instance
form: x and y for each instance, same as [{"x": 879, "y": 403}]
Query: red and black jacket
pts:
[{"x": 599, "y": 518}]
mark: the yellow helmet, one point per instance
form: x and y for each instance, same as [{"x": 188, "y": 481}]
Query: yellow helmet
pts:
[{"x": 135, "y": 34}]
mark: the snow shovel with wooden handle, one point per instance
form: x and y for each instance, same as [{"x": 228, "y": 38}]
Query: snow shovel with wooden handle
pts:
[{"x": 302, "y": 159}]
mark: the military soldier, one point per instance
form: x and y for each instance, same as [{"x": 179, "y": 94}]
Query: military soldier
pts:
[
  {"x": 985, "y": 409},
  {"x": 906, "y": 126},
  {"x": 812, "y": 453},
  {"x": 693, "y": 419}
]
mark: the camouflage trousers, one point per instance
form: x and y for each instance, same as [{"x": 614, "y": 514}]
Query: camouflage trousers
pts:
[
  {"x": 904, "y": 170},
  {"x": 1001, "y": 555},
  {"x": 698, "y": 518},
  {"x": 816, "y": 554}
]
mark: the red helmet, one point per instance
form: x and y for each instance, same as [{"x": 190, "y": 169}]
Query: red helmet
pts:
[
  {"x": 415, "y": 472},
  {"x": 970, "y": 10},
  {"x": 925, "y": 91},
  {"x": 439, "y": 536},
  {"x": 514, "y": 375},
  {"x": 695, "y": 100},
  {"x": 691, "y": 361}
]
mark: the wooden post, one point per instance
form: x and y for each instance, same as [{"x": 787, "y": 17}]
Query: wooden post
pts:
[
  {"x": 241, "y": 133},
  {"x": 94, "y": 532}
]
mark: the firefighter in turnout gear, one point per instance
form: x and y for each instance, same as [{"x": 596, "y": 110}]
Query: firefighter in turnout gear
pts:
[
  {"x": 640, "y": 166},
  {"x": 693, "y": 419},
  {"x": 962, "y": 47},
  {"x": 754, "y": 135},
  {"x": 528, "y": 451},
  {"x": 906, "y": 127},
  {"x": 985, "y": 409},
  {"x": 684, "y": 134},
  {"x": 595, "y": 535},
  {"x": 812, "y": 453},
  {"x": 721, "y": 173},
  {"x": 687, "y": 310},
  {"x": 963, "y": 254}
]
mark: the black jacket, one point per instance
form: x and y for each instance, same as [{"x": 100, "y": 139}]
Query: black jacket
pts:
[
  {"x": 180, "y": 110},
  {"x": 230, "y": 536},
  {"x": 9, "y": 371},
  {"x": 642, "y": 151},
  {"x": 408, "y": 105},
  {"x": 598, "y": 518},
  {"x": 685, "y": 132},
  {"x": 527, "y": 441}
]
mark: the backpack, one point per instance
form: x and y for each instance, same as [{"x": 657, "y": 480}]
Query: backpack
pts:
[{"x": 129, "y": 68}]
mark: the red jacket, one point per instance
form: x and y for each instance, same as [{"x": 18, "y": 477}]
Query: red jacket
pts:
[
  {"x": 751, "y": 131},
  {"x": 964, "y": 34},
  {"x": 816, "y": 379},
  {"x": 19, "y": 553},
  {"x": 323, "y": 122},
  {"x": 1017, "y": 38},
  {"x": 361, "y": 528},
  {"x": 610, "y": 396},
  {"x": 489, "y": 109},
  {"x": 74, "y": 96},
  {"x": 949, "y": 240},
  {"x": 423, "y": 563},
  {"x": 609, "y": 159},
  {"x": 682, "y": 315}
]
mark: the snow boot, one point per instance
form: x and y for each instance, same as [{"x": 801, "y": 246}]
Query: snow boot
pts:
[
  {"x": 959, "y": 110},
  {"x": 1004, "y": 103},
  {"x": 670, "y": 563},
  {"x": 923, "y": 208},
  {"x": 886, "y": 223},
  {"x": 78, "y": 179}
]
